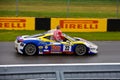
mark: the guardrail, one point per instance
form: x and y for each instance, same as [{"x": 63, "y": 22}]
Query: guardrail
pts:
[{"x": 101, "y": 71}]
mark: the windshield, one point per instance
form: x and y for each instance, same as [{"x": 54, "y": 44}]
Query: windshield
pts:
[
  {"x": 49, "y": 31},
  {"x": 68, "y": 37}
]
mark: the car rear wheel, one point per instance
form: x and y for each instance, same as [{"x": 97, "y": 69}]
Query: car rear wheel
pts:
[
  {"x": 80, "y": 49},
  {"x": 30, "y": 49}
]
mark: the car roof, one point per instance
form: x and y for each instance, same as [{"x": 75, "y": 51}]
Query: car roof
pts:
[{"x": 50, "y": 31}]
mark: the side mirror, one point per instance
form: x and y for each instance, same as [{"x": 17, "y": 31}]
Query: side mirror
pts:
[{"x": 68, "y": 41}]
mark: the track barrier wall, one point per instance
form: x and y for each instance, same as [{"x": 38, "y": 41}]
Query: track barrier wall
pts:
[
  {"x": 113, "y": 25},
  {"x": 42, "y": 23},
  {"x": 67, "y": 24}
]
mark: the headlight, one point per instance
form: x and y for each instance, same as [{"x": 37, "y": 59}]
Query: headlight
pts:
[
  {"x": 20, "y": 40},
  {"x": 93, "y": 48},
  {"x": 21, "y": 44}
]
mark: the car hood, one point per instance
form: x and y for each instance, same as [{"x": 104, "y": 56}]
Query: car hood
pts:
[
  {"x": 88, "y": 43},
  {"x": 27, "y": 37}
]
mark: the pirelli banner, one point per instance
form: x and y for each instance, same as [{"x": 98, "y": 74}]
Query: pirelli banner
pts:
[
  {"x": 80, "y": 24},
  {"x": 17, "y": 23}
]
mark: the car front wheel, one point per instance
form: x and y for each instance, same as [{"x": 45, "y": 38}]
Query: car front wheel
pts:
[
  {"x": 80, "y": 49},
  {"x": 30, "y": 49}
]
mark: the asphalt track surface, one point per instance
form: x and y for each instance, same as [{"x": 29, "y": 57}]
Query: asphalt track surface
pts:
[{"x": 109, "y": 52}]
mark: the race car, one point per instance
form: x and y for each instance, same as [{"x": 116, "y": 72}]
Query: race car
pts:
[{"x": 44, "y": 43}]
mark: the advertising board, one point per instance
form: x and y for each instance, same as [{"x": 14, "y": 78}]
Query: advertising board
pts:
[
  {"x": 80, "y": 24},
  {"x": 17, "y": 23}
]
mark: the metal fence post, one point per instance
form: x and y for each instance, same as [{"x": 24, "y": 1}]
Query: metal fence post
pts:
[
  {"x": 17, "y": 10},
  {"x": 68, "y": 7},
  {"x": 117, "y": 8}
]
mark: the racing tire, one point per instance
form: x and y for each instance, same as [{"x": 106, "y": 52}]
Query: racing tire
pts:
[
  {"x": 80, "y": 49},
  {"x": 30, "y": 49}
]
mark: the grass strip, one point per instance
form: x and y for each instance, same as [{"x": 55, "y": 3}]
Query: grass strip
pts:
[{"x": 10, "y": 35}]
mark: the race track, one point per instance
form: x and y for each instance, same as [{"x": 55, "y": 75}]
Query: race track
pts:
[{"x": 109, "y": 52}]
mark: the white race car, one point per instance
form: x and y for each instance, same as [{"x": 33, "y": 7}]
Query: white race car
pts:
[{"x": 44, "y": 44}]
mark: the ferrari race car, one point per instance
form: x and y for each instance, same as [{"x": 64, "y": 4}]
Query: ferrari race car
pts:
[{"x": 44, "y": 44}]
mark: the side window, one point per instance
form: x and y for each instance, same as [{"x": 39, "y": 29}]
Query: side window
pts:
[
  {"x": 48, "y": 37},
  {"x": 65, "y": 39}
]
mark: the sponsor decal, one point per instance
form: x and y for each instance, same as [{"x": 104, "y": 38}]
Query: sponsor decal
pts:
[
  {"x": 40, "y": 52},
  {"x": 40, "y": 47},
  {"x": 55, "y": 48},
  {"x": 46, "y": 50},
  {"x": 46, "y": 47}
]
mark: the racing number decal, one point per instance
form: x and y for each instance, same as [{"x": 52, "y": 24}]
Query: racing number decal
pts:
[{"x": 67, "y": 48}]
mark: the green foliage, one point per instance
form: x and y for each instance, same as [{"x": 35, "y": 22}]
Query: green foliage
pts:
[{"x": 60, "y": 8}]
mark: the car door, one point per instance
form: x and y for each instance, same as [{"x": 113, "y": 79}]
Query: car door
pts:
[
  {"x": 67, "y": 45},
  {"x": 51, "y": 45}
]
